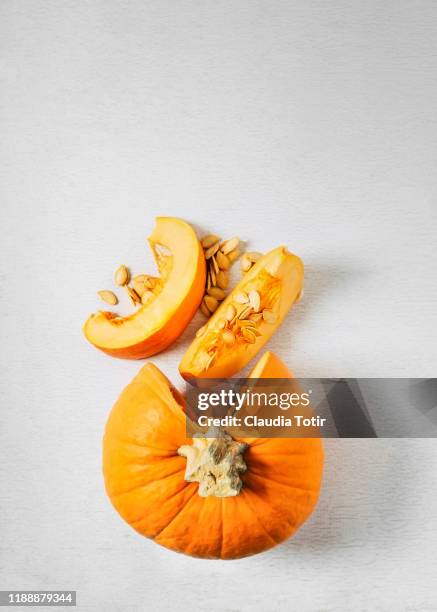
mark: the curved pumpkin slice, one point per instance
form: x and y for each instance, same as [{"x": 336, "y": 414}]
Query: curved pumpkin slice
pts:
[
  {"x": 248, "y": 317},
  {"x": 154, "y": 326}
]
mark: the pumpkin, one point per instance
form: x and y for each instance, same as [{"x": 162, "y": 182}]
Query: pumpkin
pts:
[
  {"x": 247, "y": 318},
  {"x": 160, "y": 482},
  {"x": 173, "y": 302}
]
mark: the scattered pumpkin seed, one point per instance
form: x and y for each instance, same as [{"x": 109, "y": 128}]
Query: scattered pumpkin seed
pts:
[
  {"x": 151, "y": 281},
  {"x": 213, "y": 276},
  {"x": 140, "y": 278},
  {"x": 218, "y": 293},
  {"x": 230, "y": 245},
  {"x": 222, "y": 261},
  {"x": 253, "y": 256},
  {"x": 139, "y": 286},
  {"x": 146, "y": 296},
  {"x": 209, "y": 241},
  {"x": 245, "y": 263},
  {"x": 221, "y": 323},
  {"x": 222, "y": 279},
  {"x": 233, "y": 255},
  {"x": 256, "y": 317},
  {"x": 204, "y": 309},
  {"x": 269, "y": 316},
  {"x": 133, "y": 295},
  {"x": 212, "y": 250},
  {"x": 255, "y": 300},
  {"x": 121, "y": 276},
  {"x": 211, "y": 302},
  {"x": 215, "y": 265},
  {"x": 108, "y": 296}
]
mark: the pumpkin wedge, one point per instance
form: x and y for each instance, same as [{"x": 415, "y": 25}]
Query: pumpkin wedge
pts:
[
  {"x": 173, "y": 303},
  {"x": 146, "y": 464},
  {"x": 247, "y": 318}
]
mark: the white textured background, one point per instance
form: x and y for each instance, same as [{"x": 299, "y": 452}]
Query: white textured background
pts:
[{"x": 309, "y": 123}]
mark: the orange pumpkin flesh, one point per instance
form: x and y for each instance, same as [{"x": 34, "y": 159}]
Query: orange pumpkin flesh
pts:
[
  {"x": 144, "y": 477},
  {"x": 157, "y": 324},
  {"x": 277, "y": 277},
  {"x": 270, "y": 366}
]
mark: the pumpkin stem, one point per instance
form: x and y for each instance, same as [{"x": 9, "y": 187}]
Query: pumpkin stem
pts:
[{"x": 215, "y": 461}]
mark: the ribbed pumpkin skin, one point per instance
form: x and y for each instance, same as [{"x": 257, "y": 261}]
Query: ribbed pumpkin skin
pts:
[{"x": 144, "y": 478}]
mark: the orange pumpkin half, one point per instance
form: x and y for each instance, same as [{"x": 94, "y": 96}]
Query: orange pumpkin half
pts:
[{"x": 145, "y": 476}]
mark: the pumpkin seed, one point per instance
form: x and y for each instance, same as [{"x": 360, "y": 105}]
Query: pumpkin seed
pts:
[
  {"x": 209, "y": 361},
  {"x": 151, "y": 281},
  {"x": 139, "y": 286},
  {"x": 108, "y": 297},
  {"x": 253, "y": 256},
  {"x": 245, "y": 263},
  {"x": 253, "y": 330},
  {"x": 256, "y": 317},
  {"x": 222, "y": 261},
  {"x": 241, "y": 298},
  {"x": 211, "y": 302},
  {"x": 215, "y": 265},
  {"x": 233, "y": 255},
  {"x": 228, "y": 337},
  {"x": 230, "y": 245},
  {"x": 244, "y": 312},
  {"x": 245, "y": 323},
  {"x": 133, "y": 295},
  {"x": 146, "y": 296},
  {"x": 209, "y": 241},
  {"x": 204, "y": 309},
  {"x": 230, "y": 312},
  {"x": 248, "y": 335},
  {"x": 221, "y": 323},
  {"x": 212, "y": 250},
  {"x": 121, "y": 276},
  {"x": 208, "y": 281},
  {"x": 201, "y": 331},
  {"x": 269, "y": 316},
  {"x": 218, "y": 293},
  {"x": 222, "y": 279},
  {"x": 255, "y": 300}
]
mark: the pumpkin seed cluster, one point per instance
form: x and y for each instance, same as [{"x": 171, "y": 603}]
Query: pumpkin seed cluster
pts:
[
  {"x": 143, "y": 287},
  {"x": 219, "y": 255},
  {"x": 241, "y": 322}
]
